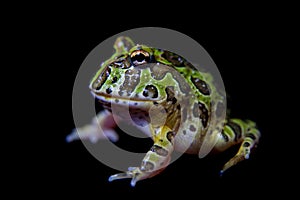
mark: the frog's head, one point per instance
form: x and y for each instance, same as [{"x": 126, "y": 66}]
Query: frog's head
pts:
[{"x": 126, "y": 75}]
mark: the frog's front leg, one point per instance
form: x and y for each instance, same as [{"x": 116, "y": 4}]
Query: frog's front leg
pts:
[
  {"x": 102, "y": 127},
  {"x": 240, "y": 132},
  {"x": 156, "y": 159}
]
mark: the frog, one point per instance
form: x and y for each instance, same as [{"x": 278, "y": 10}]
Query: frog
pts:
[{"x": 177, "y": 105}]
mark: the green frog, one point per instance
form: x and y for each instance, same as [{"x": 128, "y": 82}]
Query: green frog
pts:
[{"x": 171, "y": 101}]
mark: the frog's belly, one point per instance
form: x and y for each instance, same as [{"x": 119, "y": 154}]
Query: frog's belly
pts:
[
  {"x": 182, "y": 143},
  {"x": 187, "y": 143}
]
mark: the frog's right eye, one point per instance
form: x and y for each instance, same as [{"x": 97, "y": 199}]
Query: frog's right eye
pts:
[{"x": 139, "y": 57}]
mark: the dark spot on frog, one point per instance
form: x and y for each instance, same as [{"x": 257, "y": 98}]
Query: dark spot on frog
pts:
[
  {"x": 159, "y": 150},
  {"x": 114, "y": 80},
  {"x": 170, "y": 94},
  {"x": 108, "y": 91},
  {"x": 246, "y": 144},
  {"x": 237, "y": 130},
  {"x": 175, "y": 59},
  {"x": 204, "y": 114},
  {"x": 170, "y": 136},
  {"x": 166, "y": 110},
  {"x": 117, "y": 100},
  {"x": 121, "y": 93},
  {"x": 201, "y": 85},
  {"x": 147, "y": 166},
  {"x": 155, "y": 103},
  {"x": 150, "y": 91},
  {"x": 129, "y": 72},
  {"x": 184, "y": 132},
  {"x": 192, "y": 128}
]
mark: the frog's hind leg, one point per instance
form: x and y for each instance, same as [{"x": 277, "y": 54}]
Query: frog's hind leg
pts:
[
  {"x": 156, "y": 159},
  {"x": 102, "y": 127},
  {"x": 240, "y": 132}
]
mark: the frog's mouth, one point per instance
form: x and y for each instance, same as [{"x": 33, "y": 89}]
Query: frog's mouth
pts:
[
  {"x": 108, "y": 100},
  {"x": 135, "y": 109},
  {"x": 142, "y": 111}
]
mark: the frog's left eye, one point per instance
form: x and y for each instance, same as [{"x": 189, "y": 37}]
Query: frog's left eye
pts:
[{"x": 139, "y": 57}]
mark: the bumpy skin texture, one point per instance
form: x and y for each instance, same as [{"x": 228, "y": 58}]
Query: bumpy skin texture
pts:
[{"x": 181, "y": 105}]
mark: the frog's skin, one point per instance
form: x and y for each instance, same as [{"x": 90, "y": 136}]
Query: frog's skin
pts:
[{"x": 180, "y": 105}]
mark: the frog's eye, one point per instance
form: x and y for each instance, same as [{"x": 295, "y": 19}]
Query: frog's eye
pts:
[{"x": 139, "y": 57}]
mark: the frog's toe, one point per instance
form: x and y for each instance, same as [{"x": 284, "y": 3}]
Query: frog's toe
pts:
[
  {"x": 119, "y": 176},
  {"x": 72, "y": 136},
  {"x": 133, "y": 172},
  {"x": 233, "y": 161}
]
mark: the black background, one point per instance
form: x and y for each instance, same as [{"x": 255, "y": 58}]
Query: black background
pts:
[{"x": 240, "y": 47}]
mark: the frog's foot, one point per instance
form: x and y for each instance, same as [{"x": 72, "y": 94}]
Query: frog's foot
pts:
[
  {"x": 100, "y": 128},
  {"x": 233, "y": 161},
  {"x": 237, "y": 132},
  {"x": 155, "y": 161},
  {"x": 135, "y": 173},
  {"x": 242, "y": 154}
]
